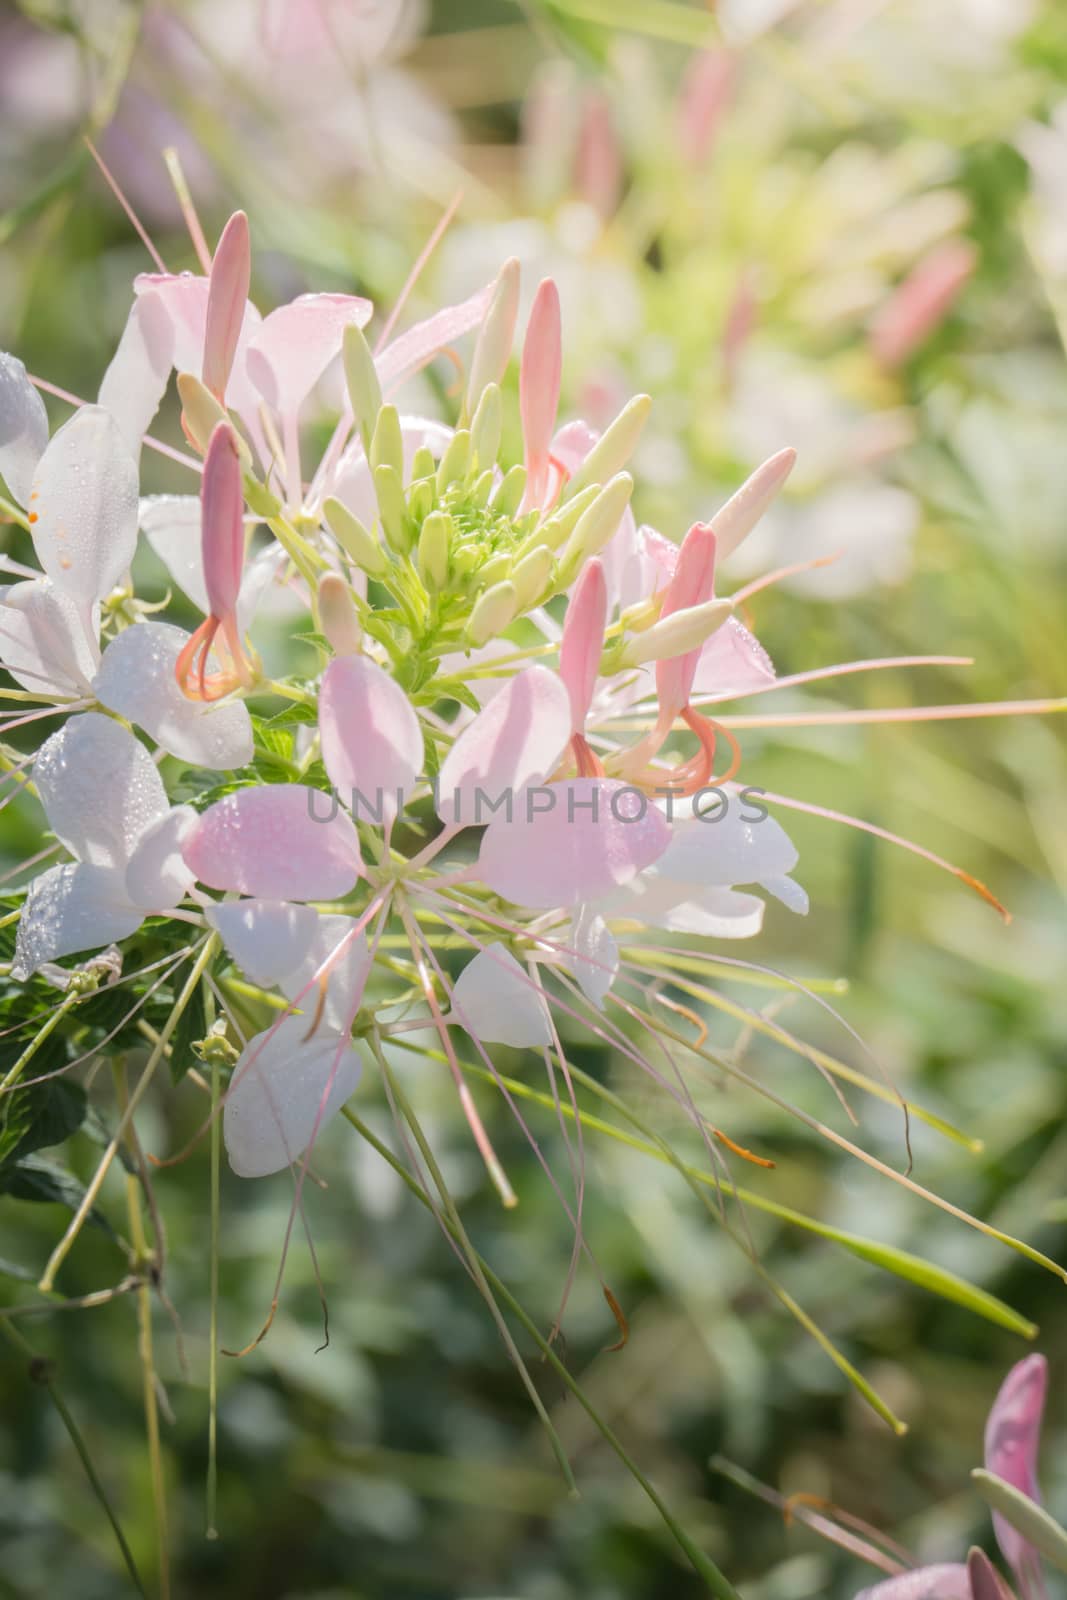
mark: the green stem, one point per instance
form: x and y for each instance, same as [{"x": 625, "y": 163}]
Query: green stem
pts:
[
  {"x": 717, "y": 1581},
  {"x": 40, "y": 1373}
]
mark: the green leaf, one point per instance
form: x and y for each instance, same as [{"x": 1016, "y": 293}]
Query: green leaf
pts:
[
  {"x": 39, "y": 1116},
  {"x": 42, "y": 1181},
  {"x": 657, "y": 19},
  {"x": 1025, "y": 1516}
]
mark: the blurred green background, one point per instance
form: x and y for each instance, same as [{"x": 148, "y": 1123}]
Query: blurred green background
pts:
[{"x": 729, "y": 233}]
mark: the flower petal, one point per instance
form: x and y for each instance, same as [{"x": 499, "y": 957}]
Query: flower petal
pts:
[
  {"x": 99, "y": 788},
  {"x": 1012, "y": 1438},
  {"x": 733, "y": 662},
  {"x": 68, "y": 909},
  {"x": 23, "y": 427},
  {"x": 722, "y": 848},
  {"x": 948, "y": 1582},
  {"x": 83, "y": 506},
  {"x": 515, "y": 740},
  {"x": 498, "y": 1002},
  {"x": 136, "y": 381},
  {"x": 44, "y": 641},
  {"x": 347, "y": 975},
  {"x": 279, "y": 842},
  {"x": 157, "y": 877},
  {"x": 583, "y": 640},
  {"x": 371, "y": 738},
  {"x": 267, "y": 938},
  {"x": 661, "y": 902},
  {"x": 136, "y": 679},
  {"x": 571, "y": 842},
  {"x": 283, "y": 1085},
  {"x": 418, "y": 345},
  {"x": 294, "y": 345},
  {"x": 171, "y": 524},
  {"x": 595, "y": 961}
]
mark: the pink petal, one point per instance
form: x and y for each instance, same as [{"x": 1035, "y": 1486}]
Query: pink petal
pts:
[
  {"x": 734, "y": 521},
  {"x": 136, "y": 380},
  {"x": 23, "y": 427},
  {"x": 733, "y": 662},
  {"x": 949, "y": 1582},
  {"x": 539, "y": 380},
  {"x": 294, "y": 345},
  {"x": 517, "y": 739},
  {"x": 277, "y": 842},
  {"x": 231, "y": 272},
  {"x": 284, "y": 1090},
  {"x": 986, "y": 1582},
  {"x": 371, "y": 738},
  {"x": 583, "y": 640},
  {"x": 418, "y": 346},
  {"x": 1012, "y": 1438},
  {"x": 571, "y": 842},
  {"x": 222, "y": 521},
  {"x": 703, "y": 101},
  {"x": 83, "y": 506}
]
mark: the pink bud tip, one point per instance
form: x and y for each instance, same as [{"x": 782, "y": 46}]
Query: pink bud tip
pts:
[
  {"x": 922, "y": 302},
  {"x": 583, "y": 641},
  {"x": 231, "y": 272},
  {"x": 705, "y": 96},
  {"x": 692, "y": 584},
  {"x": 222, "y": 521},
  {"x": 539, "y": 380}
]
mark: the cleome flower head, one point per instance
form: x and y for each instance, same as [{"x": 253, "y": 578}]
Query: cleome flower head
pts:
[{"x": 512, "y": 750}]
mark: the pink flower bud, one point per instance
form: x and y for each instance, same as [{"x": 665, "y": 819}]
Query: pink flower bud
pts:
[
  {"x": 222, "y": 521},
  {"x": 231, "y": 271},
  {"x": 692, "y": 584},
  {"x": 922, "y": 301},
  {"x": 583, "y": 641},
  {"x": 539, "y": 380}
]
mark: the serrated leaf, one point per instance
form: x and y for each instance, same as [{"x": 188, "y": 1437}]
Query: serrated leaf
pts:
[
  {"x": 42, "y": 1181},
  {"x": 39, "y": 1116},
  {"x": 1025, "y": 1516}
]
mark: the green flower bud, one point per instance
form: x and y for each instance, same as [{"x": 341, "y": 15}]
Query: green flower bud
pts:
[
  {"x": 387, "y": 444},
  {"x": 354, "y": 539},
  {"x": 453, "y": 467},
  {"x": 435, "y": 541},
  {"x": 486, "y": 429},
  {"x": 676, "y": 635},
  {"x": 361, "y": 378},
  {"x": 392, "y": 508},
  {"x": 531, "y": 576},
  {"x": 508, "y": 497},
  {"x": 492, "y": 612},
  {"x": 613, "y": 449}
]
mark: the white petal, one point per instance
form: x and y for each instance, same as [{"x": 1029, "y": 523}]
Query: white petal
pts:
[
  {"x": 498, "y": 1002},
  {"x": 44, "y": 641},
  {"x": 595, "y": 961},
  {"x": 284, "y": 1090},
  {"x": 266, "y": 938},
  {"x": 68, "y": 909},
  {"x": 660, "y": 902},
  {"x": 23, "y": 427},
  {"x": 99, "y": 789},
  {"x": 84, "y": 498},
  {"x": 171, "y": 524},
  {"x": 726, "y": 849},
  {"x": 789, "y": 893},
  {"x": 136, "y": 380},
  {"x": 137, "y": 680},
  {"x": 157, "y": 877},
  {"x": 345, "y": 980}
]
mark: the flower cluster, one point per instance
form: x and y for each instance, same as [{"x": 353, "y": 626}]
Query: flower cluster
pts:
[{"x": 502, "y": 646}]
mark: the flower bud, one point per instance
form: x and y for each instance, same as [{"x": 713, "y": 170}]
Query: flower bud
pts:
[
  {"x": 361, "y": 379},
  {"x": 597, "y": 525},
  {"x": 392, "y": 508},
  {"x": 492, "y": 351},
  {"x": 486, "y": 429},
  {"x": 423, "y": 464},
  {"x": 613, "y": 449},
  {"x": 453, "y": 467},
  {"x": 435, "y": 542},
  {"x": 231, "y": 271},
  {"x": 355, "y": 540},
  {"x": 387, "y": 443},
  {"x": 202, "y": 413},
  {"x": 338, "y": 616},
  {"x": 531, "y": 575},
  {"x": 676, "y": 635},
  {"x": 508, "y": 497},
  {"x": 492, "y": 612},
  {"x": 734, "y": 521}
]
